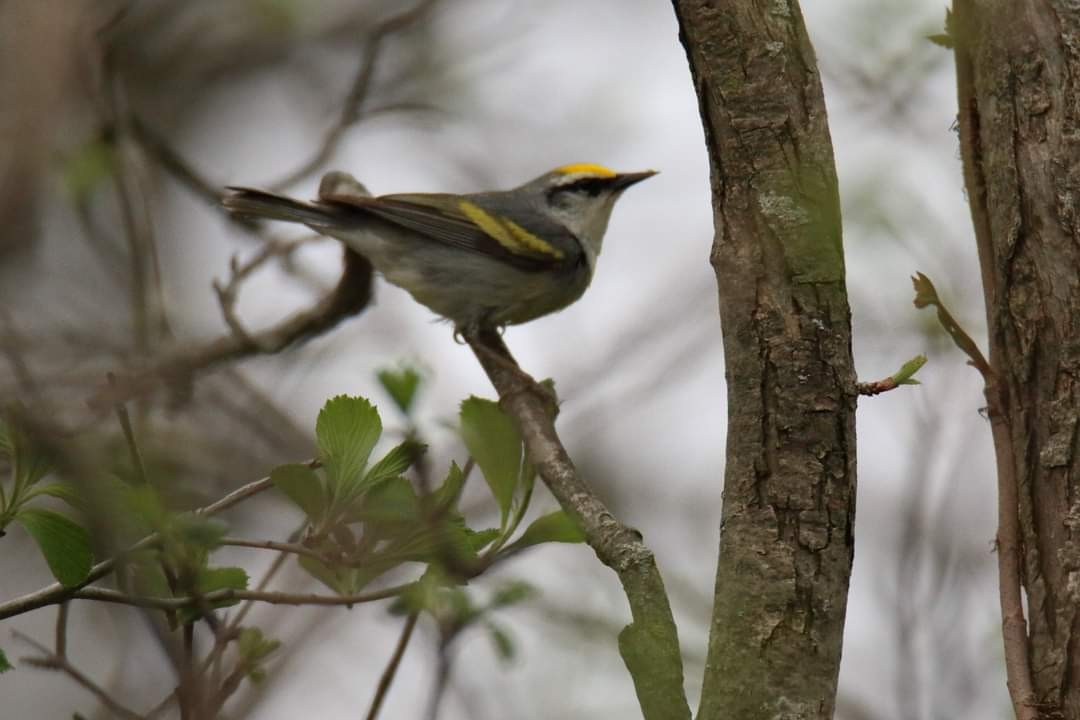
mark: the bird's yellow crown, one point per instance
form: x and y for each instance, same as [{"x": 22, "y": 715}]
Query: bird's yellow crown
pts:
[{"x": 586, "y": 169}]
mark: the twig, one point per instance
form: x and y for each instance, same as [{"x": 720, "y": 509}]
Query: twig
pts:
[
  {"x": 52, "y": 661},
  {"x": 442, "y": 677},
  {"x": 228, "y": 292},
  {"x": 129, "y": 436},
  {"x": 56, "y": 592},
  {"x": 358, "y": 92},
  {"x": 903, "y": 376},
  {"x": 174, "y": 163},
  {"x": 388, "y": 674},
  {"x": 649, "y": 645},
  {"x": 288, "y": 548},
  {"x": 61, "y": 629},
  {"x": 1013, "y": 624},
  {"x": 351, "y": 295},
  {"x": 229, "y": 594}
]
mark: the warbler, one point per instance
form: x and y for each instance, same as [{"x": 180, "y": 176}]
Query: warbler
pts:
[{"x": 481, "y": 260}]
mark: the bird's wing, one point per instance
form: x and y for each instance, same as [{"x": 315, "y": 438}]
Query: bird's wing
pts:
[{"x": 463, "y": 223}]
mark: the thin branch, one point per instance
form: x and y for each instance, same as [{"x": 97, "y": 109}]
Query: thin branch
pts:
[
  {"x": 129, "y": 436},
  {"x": 350, "y": 297},
  {"x": 56, "y": 592},
  {"x": 155, "y": 146},
  {"x": 649, "y": 645},
  {"x": 903, "y": 376},
  {"x": 361, "y": 86},
  {"x": 61, "y": 629},
  {"x": 229, "y": 594},
  {"x": 288, "y": 548},
  {"x": 228, "y": 292},
  {"x": 53, "y": 661},
  {"x": 391, "y": 669},
  {"x": 1013, "y": 624}
]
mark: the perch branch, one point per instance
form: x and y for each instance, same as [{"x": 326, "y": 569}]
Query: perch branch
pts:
[{"x": 649, "y": 645}]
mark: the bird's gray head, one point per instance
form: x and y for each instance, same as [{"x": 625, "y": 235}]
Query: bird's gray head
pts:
[{"x": 581, "y": 197}]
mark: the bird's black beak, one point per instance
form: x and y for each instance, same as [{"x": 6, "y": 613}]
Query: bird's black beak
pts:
[{"x": 625, "y": 180}]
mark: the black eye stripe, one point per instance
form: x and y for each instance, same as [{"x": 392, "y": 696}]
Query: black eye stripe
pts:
[{"x": 588, "y": 186}]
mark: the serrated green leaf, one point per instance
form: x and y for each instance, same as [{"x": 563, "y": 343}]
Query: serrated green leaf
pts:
[
  {"x": 401, "y": 385},
  {"x": 553, "y": 527},
  {"x": 4, "y": 664},
  {"x": 65, "y": 544},
  {"x": 347, "y": 430},
  {"x": 304, "y": 487},
  {"x": 394, "y": 463},
  {"x": 495, "y": 444}
]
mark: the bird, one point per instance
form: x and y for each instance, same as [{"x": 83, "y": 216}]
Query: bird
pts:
[{"x": 482, "y": 260}]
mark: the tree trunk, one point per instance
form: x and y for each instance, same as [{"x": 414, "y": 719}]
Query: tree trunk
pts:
[
  {"x": 786, "y": 542},
  {"x": 1018, "y": 72}
]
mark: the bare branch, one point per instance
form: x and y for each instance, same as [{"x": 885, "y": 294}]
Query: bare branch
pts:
[
  {"x": 56, "y": 592},
  {"x": 388, "y": 674},
  {"x": 361, "y": 86},
  {"x": 54, "y": 661},
  {"x": 228, "y": 594},
  {"x": 350, "y": 297},
  {"x": 1013, "y": 624}
]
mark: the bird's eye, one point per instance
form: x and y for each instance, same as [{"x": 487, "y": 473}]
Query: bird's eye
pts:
[{"x": 589, "y": 186}]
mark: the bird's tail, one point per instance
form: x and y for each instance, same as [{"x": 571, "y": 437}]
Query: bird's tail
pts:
[{"x": 262, "y": 204}]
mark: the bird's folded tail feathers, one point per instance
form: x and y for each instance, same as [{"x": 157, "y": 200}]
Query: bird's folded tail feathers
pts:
[{"x": 262, "y": 204}]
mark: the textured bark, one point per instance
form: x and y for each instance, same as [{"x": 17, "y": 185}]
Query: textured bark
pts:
[
  {"x": 786, "y": 543},
  {"x": 1018, "y": 71}
]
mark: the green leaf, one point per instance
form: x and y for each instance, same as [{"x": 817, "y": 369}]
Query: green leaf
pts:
[
  {"x": 211, "y": 579},
  {"x": 394, "y": 501},
  {"x": 61, "y": 491},
  {"x": 394, "y": 463},
  {"x": 347, "y": 430},
  {"x": 904, "y": 375},
  {"x": 446, "y": 495},
  {"x": 88, "y": 167},
  {"x": 401, "y": 386},
  {"x": 4, "y": 664},
  {"x": 65, "y": 545},
  {"x": 222, "y": 578},
  {"x": 943, "y": 39},
  {"x": 253, "y": 648},
  {"x": 511, "y": 593},
  {"x": 479, "y": 539},
  {"x": 196, "y": 532},
  {"x": 304, "y": 487},
  {"x": 501, "y": 640},
  {"x": 553, "y": 527},
  {"x": 495, "y": 444}
]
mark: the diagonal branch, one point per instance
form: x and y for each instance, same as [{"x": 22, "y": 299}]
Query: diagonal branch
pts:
[
  {"x": 358, "y": 92},
  {"x": 350, "y": 297},
  {"x": 650, "y": 644}
]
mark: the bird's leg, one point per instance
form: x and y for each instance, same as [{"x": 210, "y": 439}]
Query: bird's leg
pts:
[{"x": 493, "y": 354}]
